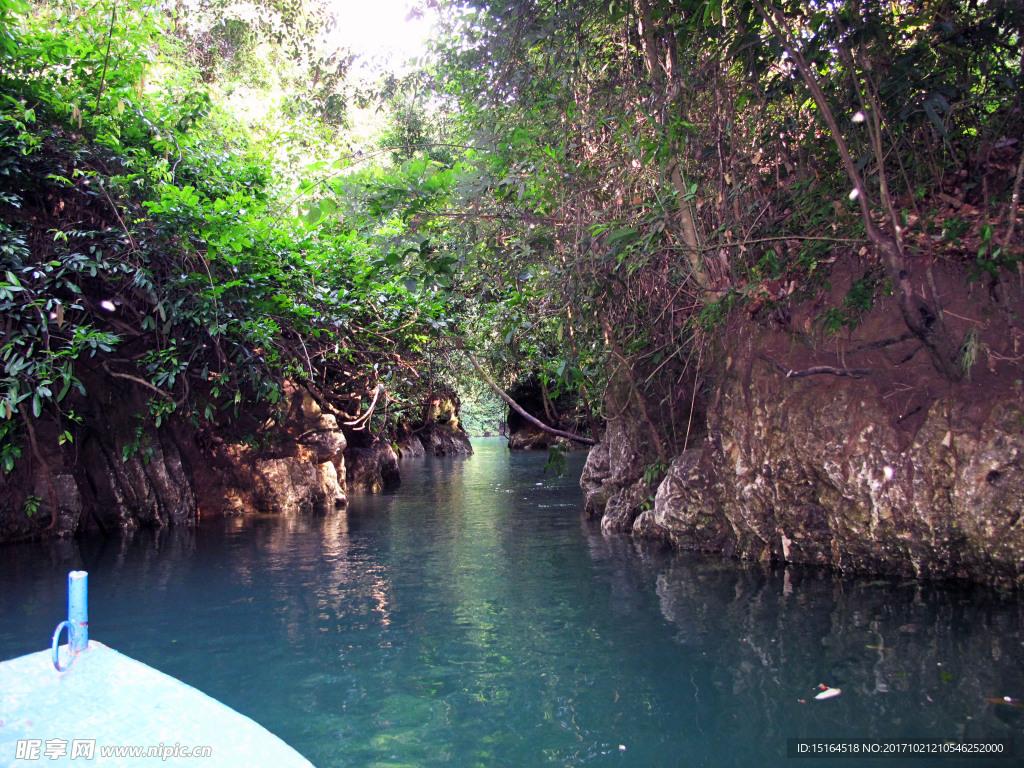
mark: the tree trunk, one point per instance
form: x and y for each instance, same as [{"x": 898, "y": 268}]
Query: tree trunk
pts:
[{"x": 923, "y": 320}]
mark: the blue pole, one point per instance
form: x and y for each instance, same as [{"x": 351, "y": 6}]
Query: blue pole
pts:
[
  {"x": 78, "y": 619},
  {"x": 78, "y": 610}
]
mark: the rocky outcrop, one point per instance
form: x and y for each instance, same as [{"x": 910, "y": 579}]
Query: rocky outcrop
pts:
[
  {"x": 122, "y": 473},
  {"x": 439, "y": 431},
  {"x": 117, "y": 474},
  {"x": 871, "y": 463},
  {"x": 527, "y": 437},
  {"x": 445, "y": 440},
  {"x": 436, "y": 440},
  {"x": 122, "y": 489},
  {"x": 373, "y": 468},
  {"x": 808, "y": 473},
  {"x": 560, "y": 413},
  {"x": 620, "y": 476},
  {"x": 296, "y": 466}
]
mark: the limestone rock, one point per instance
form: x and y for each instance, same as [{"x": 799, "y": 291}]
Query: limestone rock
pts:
[
  {"x": 69, "y": 503},
  {"x": 847, "y": 450},
  {"x": 445, "y": 440},
  {"x": 331, "y": 493},
  {"x": 323, "y": 435},
  {"x": 151, "y": 487},
  {"x": 594, "y": 480},
  {"x": 684, "y": 509},
  {"x": 285, "y": 485},
  {"x": 805, "y": 471},
  {"x": 439, "y": 431},
  {"x": 411, "y": 447},
  {"x": 527, "y": 437},
  {"x": 372, "y": 469},
  {"x": 624, "y": 506}
]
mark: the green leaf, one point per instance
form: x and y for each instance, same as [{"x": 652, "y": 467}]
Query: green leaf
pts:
[{"x": 622, "y": 234}]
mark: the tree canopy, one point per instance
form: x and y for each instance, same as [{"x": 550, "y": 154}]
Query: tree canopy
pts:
[{"x": 192, "y": 200}]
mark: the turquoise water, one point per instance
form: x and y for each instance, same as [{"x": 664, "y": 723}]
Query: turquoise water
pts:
[{"x": 474, "y": 618}]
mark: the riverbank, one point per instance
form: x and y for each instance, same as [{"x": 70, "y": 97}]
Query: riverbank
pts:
[{"x": 847, "y": 450}]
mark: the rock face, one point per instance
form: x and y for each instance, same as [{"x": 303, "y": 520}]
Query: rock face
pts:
[
  {"x": 892, "y": 470},
  {"x": 123, "y": 473},
  {"x": 816, "y": 474},
  {"x": 153, "y": 487},
  {"x": 300, "y": 470},
  {"x": 619, "y": 478},
  {"x": 117, "y": 474},
  {"x": 527, "y": 437},
  {"x": 373, "y": 468},
  {"x": 444, "y": 440},
  {"x": 439, "y": 431}
]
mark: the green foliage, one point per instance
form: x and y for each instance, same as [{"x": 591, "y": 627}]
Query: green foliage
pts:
[
  {"x": 9, "y": 38},
  {"x": 599, "y": 129},
  {"x": 138, "y": 444},
  {"x": 181, "y": 206},
  {"x": 714, "y": 314},
  {"x": 10, "y": 448},
  {"x": 654, "y": 472},
  {"x": 969, "y": 350},
  {"x": 143, "y": 235},
  {"x": 859, "y": 299},
  {"x": 31, "y": 505},
  {"x": 481, "y": 412},
  {"x": 992, "y": 258},
  {"x": 556, "y": 460}
]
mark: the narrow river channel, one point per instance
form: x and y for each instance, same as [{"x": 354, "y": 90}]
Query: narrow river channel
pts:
[{"x": 474, "y": 618}]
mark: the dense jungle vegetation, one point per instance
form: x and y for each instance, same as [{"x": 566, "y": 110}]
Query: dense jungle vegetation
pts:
[{"x": 203, "y": 199}]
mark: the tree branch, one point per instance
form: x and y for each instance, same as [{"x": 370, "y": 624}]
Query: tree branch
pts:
[
  {"x": 519, "y": 409},
  {"x": 815, "y": 370},
  {"x": 141, "y": 382},
  {"x": 923, "y": 320},
  {"x": 44, "y": 465}
]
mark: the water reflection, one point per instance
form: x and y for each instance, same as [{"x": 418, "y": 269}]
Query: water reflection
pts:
[
  {"x": 913, "y": 660},
  {"x": 473, "y": 618}
]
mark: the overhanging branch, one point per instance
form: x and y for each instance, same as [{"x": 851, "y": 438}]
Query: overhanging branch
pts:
[{"x": 519, "y": 409}]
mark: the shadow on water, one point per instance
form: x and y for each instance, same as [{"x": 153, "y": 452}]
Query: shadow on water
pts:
[
  {"x": 913, "y": 660},
  {"x": 473, "y": 618}
]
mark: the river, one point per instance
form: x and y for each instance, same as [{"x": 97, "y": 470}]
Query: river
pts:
[{"x": 472, "y": 617}]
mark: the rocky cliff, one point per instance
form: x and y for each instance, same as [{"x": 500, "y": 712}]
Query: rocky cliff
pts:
[{"x": 846, "y": 450}]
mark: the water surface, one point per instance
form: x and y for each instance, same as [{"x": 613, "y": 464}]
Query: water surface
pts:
[{"x": 474, "y": 618}]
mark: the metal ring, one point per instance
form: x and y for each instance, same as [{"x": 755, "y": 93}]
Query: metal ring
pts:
[{"x": 54, "y": 647}]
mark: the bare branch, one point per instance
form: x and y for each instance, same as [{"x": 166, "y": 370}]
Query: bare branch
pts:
[{"x": 519, "y": 409}]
